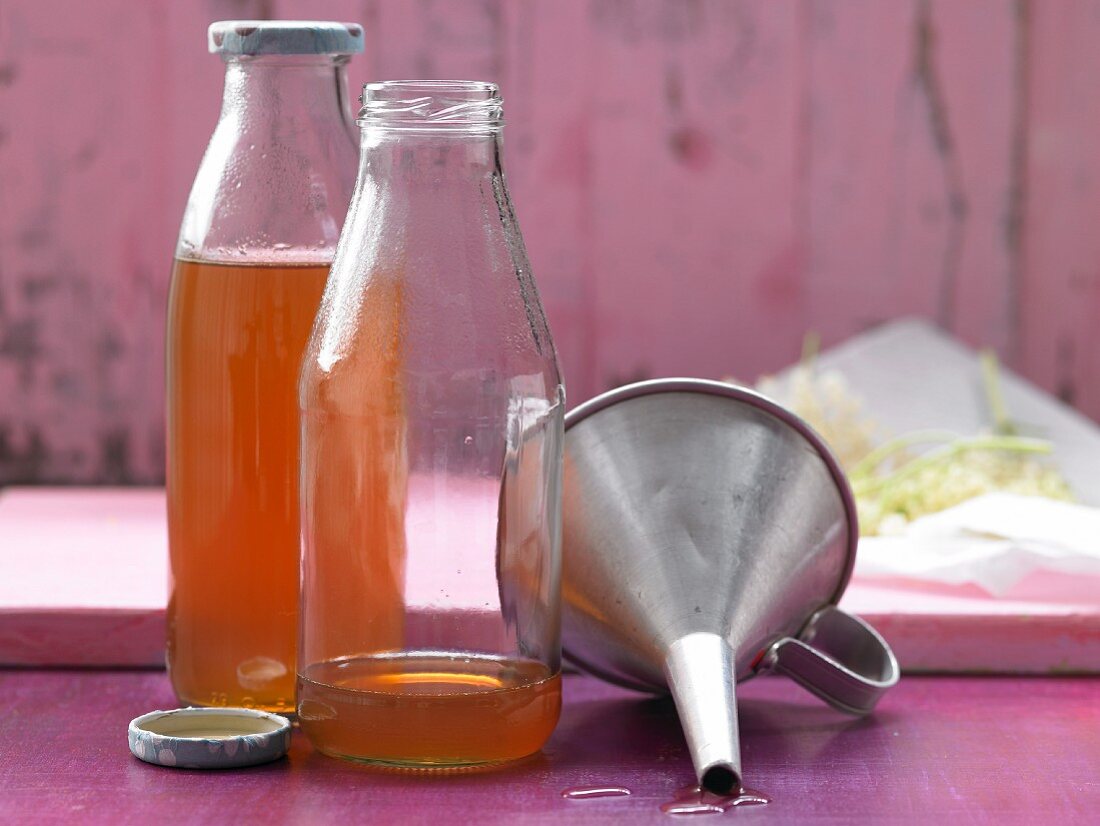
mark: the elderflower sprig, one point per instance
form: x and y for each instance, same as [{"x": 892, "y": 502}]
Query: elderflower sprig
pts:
[{"x": 922, "y": 472}]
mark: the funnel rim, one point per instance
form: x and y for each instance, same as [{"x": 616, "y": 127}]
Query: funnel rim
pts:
[{"x": 754, "y": 399}]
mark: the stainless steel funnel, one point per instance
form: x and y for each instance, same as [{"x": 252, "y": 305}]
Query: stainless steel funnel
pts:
[{"x": 707, "y": 535}]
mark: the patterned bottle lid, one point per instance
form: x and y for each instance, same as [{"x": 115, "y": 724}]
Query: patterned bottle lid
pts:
[
  {"x": 255, "y": 37},
  {"x": 209, "y": 738}
]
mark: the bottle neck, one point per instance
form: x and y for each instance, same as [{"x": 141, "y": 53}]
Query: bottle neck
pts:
[
  {"x": 430, "y": 157},
  {"x": 294, "y": 91}
]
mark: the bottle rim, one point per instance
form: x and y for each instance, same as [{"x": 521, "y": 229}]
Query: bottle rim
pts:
[{"x": 431, "y": 105}]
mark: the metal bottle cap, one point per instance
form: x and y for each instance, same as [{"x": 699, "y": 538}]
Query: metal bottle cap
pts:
[
  {"x": 209, "y": 738},
  {"x": 256, "y": 37}
]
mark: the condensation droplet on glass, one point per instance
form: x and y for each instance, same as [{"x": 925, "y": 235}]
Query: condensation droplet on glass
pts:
[{"x": 281, "y": 246}]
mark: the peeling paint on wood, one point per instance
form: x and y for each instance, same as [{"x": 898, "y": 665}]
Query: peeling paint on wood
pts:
[{"x": 699, "y": 184}]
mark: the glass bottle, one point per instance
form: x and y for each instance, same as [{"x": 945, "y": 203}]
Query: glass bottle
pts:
[
  {"x": 432, "y": 414},
  {"x": 257, "y": 239}
]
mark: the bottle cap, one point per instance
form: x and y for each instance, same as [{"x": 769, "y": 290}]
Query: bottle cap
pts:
[
  {"x": 209, "y": 738},
  {"x": 255, "y": 37}
]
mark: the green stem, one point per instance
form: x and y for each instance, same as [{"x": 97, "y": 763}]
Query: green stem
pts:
[
  {"x": 1012, "y": 444},
  {"x": 991, "y": 379},
  {"x": 811, "y": 346},
  {"x": 869, "y": 463}
]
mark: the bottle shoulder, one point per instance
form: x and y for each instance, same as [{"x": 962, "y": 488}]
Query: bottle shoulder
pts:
[{"x": 258, "y": 196}]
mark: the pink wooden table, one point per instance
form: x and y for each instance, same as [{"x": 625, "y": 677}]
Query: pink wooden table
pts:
[
  {"x": 108, "y": 609},
  {"x": 952, "y": 750}
]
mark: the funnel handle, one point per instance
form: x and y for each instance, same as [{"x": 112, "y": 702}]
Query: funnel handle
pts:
[{"x": 838, "y": 657}]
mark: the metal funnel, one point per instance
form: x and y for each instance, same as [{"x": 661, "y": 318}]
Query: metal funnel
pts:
[{"x": 707, "y": 535}]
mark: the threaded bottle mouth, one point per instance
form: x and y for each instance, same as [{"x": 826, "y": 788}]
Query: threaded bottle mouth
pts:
[{"x": 433, "y": 105}]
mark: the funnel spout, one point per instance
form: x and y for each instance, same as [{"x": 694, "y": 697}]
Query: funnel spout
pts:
[{"x": 699, "y": 669}]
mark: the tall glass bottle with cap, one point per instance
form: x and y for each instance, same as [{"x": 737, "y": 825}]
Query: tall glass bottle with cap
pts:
[
  {"x": 257, "y": 239},
  {"x": 431, "y": 455}
]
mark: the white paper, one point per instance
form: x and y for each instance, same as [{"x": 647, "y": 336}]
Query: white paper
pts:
[{"x": 993, "y": 541}]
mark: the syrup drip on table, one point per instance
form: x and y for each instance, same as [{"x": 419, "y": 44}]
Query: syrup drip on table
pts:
[
  {"x": 592, "y": 792},
  {"x": 693, "y": 800}
]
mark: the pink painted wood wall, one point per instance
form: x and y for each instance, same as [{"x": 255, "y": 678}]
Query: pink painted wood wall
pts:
[{"x": 699, "y": 183}]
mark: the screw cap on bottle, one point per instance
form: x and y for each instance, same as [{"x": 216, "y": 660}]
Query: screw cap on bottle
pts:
[
  {"x": 257, "y": 37},
  {"x": 209, "y": 738}
]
